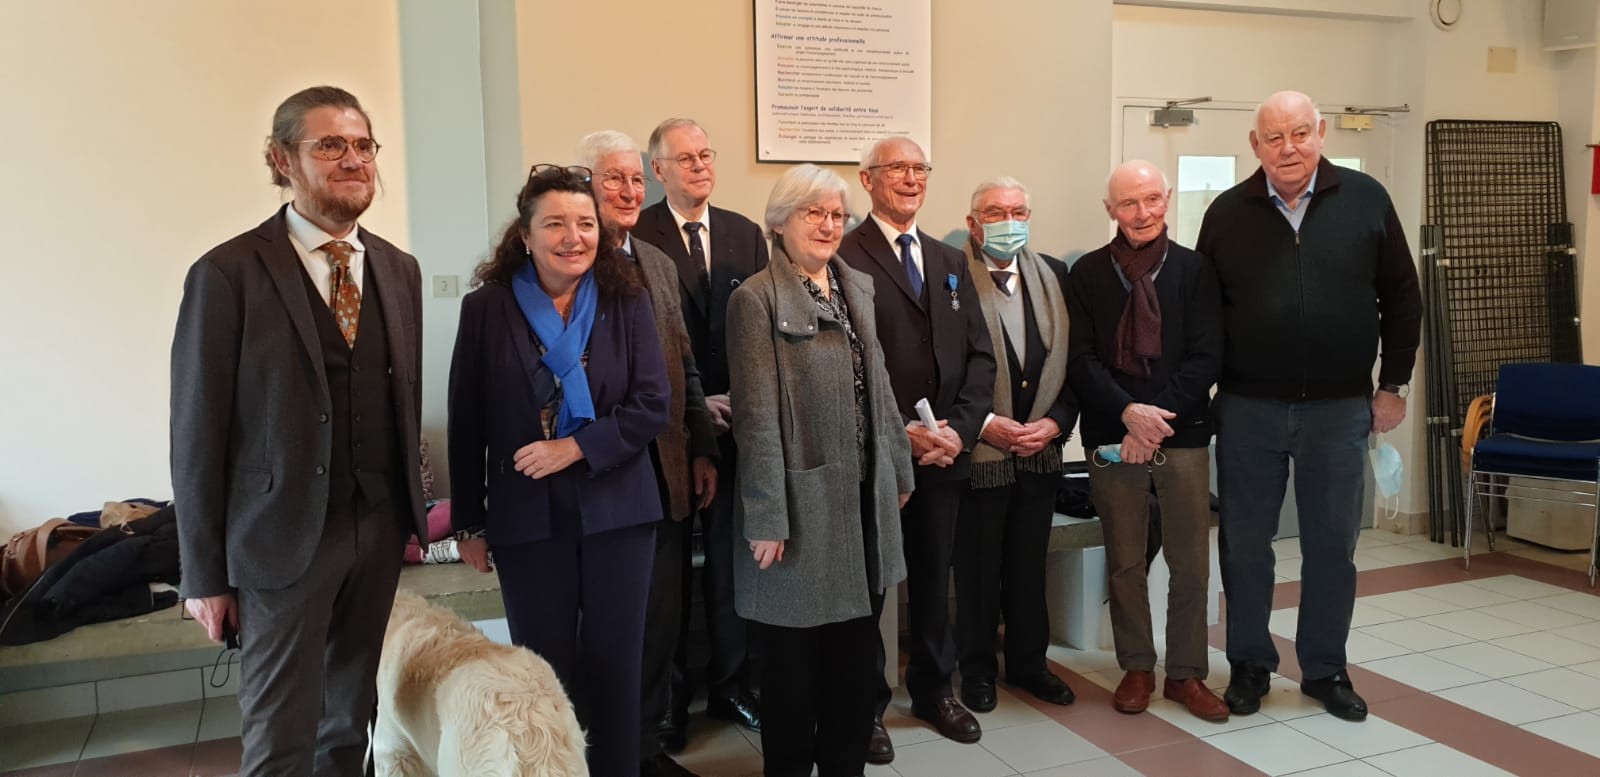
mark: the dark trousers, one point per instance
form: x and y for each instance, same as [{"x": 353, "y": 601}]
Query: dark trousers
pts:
[
  {"x": 309, "y": 661},
  {"x": 663, "y": 625},
  {"x": 727, "y": 673},
  {"x": 928, "y": 531},
  {"x": 579, "y": 603},
  {"x": 816, "y": 697},
  {"x": 1002, "y": 534},
  {"x": 1256, "y": 439},
  {"x": 1121, "y": 493}
]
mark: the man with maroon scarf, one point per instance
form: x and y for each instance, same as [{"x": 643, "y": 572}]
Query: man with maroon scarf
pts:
[{"x": 1144, "y": 348}]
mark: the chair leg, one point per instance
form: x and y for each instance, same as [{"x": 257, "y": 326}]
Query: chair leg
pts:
[
  {"x": 1594, "y": 544},
  {"x": 1466, "y": 543},
  {"x": 1488, "y": 516}
]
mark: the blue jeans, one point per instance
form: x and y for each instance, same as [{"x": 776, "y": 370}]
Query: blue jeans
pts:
[{"x": 1256, "y": 438}]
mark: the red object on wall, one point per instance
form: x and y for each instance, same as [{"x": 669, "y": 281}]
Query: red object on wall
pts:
[{"x": 1594, "y": 177}]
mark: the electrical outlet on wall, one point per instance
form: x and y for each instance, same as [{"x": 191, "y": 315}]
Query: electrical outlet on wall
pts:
[{"x": 446, "y": 286}]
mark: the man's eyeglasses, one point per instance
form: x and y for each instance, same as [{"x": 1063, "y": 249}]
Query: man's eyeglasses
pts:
[
  {"x": 332, "y": 148},
  {"x": 901, "y": 169},
  {"x": 705, "y": 157},
  {"x": 816, "y": 216},
  {"x": 614, "y": 181},
  {"x": 992, "y": 215},
  {"x": 556, "y": 171}
]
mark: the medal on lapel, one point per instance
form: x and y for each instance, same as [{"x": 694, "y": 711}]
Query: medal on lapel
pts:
[{"x": 955, "y": 299}]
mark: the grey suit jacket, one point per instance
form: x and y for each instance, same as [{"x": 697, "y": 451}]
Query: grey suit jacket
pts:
[
  {"x": 794, "y": 422},
  {"x": 251, "y": 436},
  {"x": 689, "y": 431}
]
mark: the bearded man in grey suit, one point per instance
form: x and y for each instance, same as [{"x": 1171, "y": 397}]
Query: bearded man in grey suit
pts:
[
  {"x": 295, "y": 461},
  {"x": 684, "y": 455}
]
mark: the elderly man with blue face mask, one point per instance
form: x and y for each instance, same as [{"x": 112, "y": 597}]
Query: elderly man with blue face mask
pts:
[{"x": 1003, "y": 526}]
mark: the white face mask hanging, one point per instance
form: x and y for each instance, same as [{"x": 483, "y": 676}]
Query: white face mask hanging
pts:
[{"x": 1388, "y": 473}]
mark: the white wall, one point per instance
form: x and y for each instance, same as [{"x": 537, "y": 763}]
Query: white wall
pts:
[{"x": 131, "y": 145}]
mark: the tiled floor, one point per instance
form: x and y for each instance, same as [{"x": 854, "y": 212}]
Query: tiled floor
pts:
[{"x": 1491, "y": 672}]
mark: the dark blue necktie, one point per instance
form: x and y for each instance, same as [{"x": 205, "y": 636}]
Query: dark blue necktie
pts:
[
  {"x": 1002, "y": 281},
  {"x": 913, "y": 275},
  {"x": 697, "y": 254}
]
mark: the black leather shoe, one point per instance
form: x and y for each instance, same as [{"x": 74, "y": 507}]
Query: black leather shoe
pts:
[
  {"x": 880, "y": 750},
  {"x": 1247, "y": 685},
  {"x": 743, "y": 709},
  {"x": 950, "y": 718},
  {"x": 672, "y": 730},
  {"x": 663, "y": 766},
  {"x": 1045, "y": 686},
  {"x": 978, "y": 695},
  {"x": 1338, "y": 695}
]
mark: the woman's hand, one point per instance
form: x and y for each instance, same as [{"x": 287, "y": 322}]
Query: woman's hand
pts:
[
  {"x": 767, "y": 552},
  {"x": 475, "y": 551},
  {"x": 544, "y": 458}
]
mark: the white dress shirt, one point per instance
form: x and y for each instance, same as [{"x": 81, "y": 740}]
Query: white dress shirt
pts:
[
  {"x": 308, "y": 239},
  {"x": 705, "y": 230},
  {"x": 891, "y": 234}
]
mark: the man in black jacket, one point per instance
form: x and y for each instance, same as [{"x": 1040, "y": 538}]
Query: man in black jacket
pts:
[
  {"x": 1146, "y": 346},
  {"x": 1315, "y": 273}
]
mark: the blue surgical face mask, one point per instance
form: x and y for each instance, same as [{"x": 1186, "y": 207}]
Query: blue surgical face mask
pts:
[
  {"x": 1003, "y": 239},
  {"x": 1388, "y": 473}
]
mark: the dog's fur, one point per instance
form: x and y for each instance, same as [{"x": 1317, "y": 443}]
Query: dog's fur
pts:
[{"x": 451, "y": 702}]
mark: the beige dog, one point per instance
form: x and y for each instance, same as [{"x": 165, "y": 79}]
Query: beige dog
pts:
[{"x": 452, "y": 703}]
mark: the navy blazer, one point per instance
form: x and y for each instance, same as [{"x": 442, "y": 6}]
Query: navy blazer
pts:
[
  {"x": 738, "y": 251},
  {"x": 498, "y": 385}
]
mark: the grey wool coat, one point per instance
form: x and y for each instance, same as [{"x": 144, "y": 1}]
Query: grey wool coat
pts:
[{"x": 794, "y": 416}]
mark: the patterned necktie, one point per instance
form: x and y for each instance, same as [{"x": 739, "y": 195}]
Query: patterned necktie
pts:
[
  {"x": 1002, "y": 281},
  {"x": 697, "y": 253},
  {"x": 346, "y": 298},
  {"x": 913, "y": 275}
]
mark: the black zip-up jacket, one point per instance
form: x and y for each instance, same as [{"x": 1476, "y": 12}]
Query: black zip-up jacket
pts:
[{"x": 1304, "y": 312}]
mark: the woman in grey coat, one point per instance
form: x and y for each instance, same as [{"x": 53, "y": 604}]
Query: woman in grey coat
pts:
[{"x": 824, "y": 466}]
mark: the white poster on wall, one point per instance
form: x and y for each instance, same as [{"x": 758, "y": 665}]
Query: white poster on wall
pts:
[{"x": 832, "y": 76}]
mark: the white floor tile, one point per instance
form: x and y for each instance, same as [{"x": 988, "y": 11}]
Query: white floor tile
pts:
[
  {"x": 1549, "y": 647},
  {"x": 1509, "y": 703},
  {"x": 1377, "y": 538},
  {"x": 1409, "y": 604},
  {"x": 219, "y": 718},
  {"x": 1283, "y": 622},
  {"x": 1587, "y": 633},
  {"x": 1361, "y": 647},
  {"x": 1370, "y": 737},
  {"x": 1490, "y": 660},
  {"x": 1434, "y": 760},
  {"x": 1039, "y": 746},
  {"x": 1082, "y": 661},
  {"x": 1010, "y": 710},
  {"x": 1519, "y": 587},
  {"x": 1591, "y": 668},
  {"x": 20, "y": 708},
  {"x": 1416, "y": 635},
  {"x": 1277, "y": 749},
  {"x": 1579, "y": 732},
  {"x": 1286, "y": 548},
  {"x": 1534, "y": 614},
  {"x": 944, "y": 758},
  {"x": 1575, "y": 602},
  {"x": 1286, "y": 702},
  {"x": 1463, "y": 595},
  {"x": 1107, "y": 679},
  {"x": 873, "y": 770},
  {"x": 1563, "y": 685},
  {"x": 44, "y": 744},
  {"x": 1366, "y": 561},
  {"x": 1402, "y": 554},
  {"x": 1288, "y": 569},
  {"x": 719, "y": 750},
  {"x": 147, "y": 690},
  {"x": 1476, "y": 624},
  {"x": 148, "y": 728},
  {"x": 1100, "y": 767},
  {"x": 1424, "y": 672},
  {"x": 1346, "y": 769},
  {"x": 1366, "y": 614}
]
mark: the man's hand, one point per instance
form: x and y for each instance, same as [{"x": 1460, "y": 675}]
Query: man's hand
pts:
[
  {"x": 704, "y": 472},
  {"x": 721, "y": 409},
  {"x": 928, "y": 446},
  {"x": 1001, "y": 432},
  {"x": 475, "y": 551},
  {"x": 1148, "y": 423},
  {"x": 1388, "y": 410},
  {"x": 212, "y": 611},
  {"x": 905, "y": 497},
  {"x": 1035, "y": 435},
  {"x": 539, "y": 460},
  {"x": 1137, "y": 451},
  {"x": 767, "y": 552}
]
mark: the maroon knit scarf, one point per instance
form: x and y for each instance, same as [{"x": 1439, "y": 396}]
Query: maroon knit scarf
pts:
[{"x": 1139, "y": 329}]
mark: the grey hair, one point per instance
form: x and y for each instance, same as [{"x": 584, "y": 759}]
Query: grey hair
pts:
[
  {"x": 1316, "y": 113},
  {"x": 1000, "y": 182},
  {"x": 798, "y": 187},
  {"x": 1166, "y": 185},
  {"x": 869, "y": 155},
  {"x": 596, "y": 146},
  {"x": 656, "y": 151}
]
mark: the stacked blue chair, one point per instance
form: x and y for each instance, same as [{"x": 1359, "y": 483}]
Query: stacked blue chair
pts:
[{"x": 1545, "y": 431}]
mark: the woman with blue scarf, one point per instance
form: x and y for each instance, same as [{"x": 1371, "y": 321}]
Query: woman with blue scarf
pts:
[{"x": 557, "y": 387}]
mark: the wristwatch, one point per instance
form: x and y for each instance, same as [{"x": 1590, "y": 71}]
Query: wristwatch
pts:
[
  {"x": 468, "y": 534},
  {"x": 1398, "y": 389}
]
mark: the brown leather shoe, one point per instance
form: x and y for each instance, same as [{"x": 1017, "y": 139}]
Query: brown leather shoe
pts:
[
  {"x": 1133, "y": 693},
  {"x": 880, "y": 749},
  {"x": 1193, "y": 694},
  {"x": 950, "y": 718}
]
